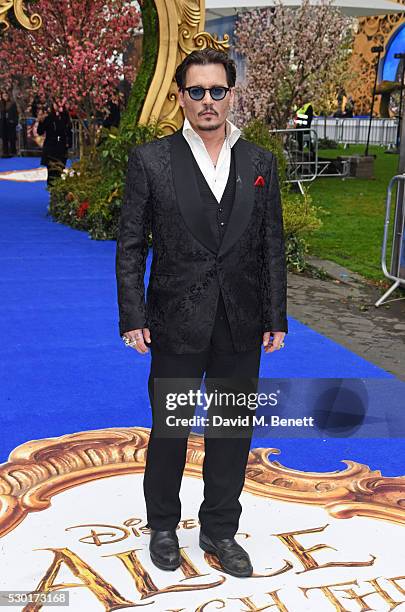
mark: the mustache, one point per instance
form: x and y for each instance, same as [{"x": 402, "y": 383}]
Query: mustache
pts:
[{"x": 208, "y": 110}]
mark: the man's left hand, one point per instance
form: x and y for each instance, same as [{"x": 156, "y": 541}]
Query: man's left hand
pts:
[{"x": 272, "y": 341}]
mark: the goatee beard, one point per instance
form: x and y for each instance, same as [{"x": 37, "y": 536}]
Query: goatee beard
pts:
[{"x": 209, "y": 128}]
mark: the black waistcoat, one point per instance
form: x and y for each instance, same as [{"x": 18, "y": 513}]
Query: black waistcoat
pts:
[{"x": 218, "y": 212}]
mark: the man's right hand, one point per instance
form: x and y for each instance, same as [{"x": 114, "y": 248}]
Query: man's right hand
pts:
[{"x": 141, "y": 336}]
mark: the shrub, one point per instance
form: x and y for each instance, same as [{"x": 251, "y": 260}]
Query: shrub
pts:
[
  {"x": 326, "y": 143},
  {"x": 89, "y": 195},
  {"x": 300, "y": 217}
]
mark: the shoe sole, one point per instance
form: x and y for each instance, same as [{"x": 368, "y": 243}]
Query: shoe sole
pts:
[
  {"x": 162, "y": 566},
  {"x": 212, "y": 550}
]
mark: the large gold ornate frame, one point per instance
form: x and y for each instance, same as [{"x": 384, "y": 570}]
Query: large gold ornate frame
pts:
[
  {"x": 372, "y": 31},
  {"x": 181, "y": 31},
  {"x": 29, "y": 22},
  {"x": 40, "y": 469}
]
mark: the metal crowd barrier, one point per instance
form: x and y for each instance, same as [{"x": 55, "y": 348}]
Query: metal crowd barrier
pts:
[
  {"x": 397, "y": 265},
  {"x": 354, "y": 130},
  {"x": 334, "y": 168},
  {"x": 300, "y": 147},
  {"x": 27, "y": 144},
  {"x": 75, "y": 150}
]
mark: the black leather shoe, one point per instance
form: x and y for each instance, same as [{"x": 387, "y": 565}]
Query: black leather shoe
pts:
[
  {"x": 232, "y": 557},
  {"x": 164, "y": 549}
]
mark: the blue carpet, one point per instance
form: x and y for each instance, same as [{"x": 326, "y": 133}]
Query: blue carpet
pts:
[{"x": 63, "y": 367}]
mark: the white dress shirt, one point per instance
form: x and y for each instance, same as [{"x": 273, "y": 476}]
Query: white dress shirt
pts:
[{"x": 216, "y": 176}]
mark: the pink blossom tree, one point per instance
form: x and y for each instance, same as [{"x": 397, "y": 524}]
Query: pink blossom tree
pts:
[
  {"x": 76, "y": 55},
  {"x": 290, "y": 55}
]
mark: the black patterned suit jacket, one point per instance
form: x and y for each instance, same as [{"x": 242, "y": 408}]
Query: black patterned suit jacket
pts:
[{"x": 189, "y": 268}]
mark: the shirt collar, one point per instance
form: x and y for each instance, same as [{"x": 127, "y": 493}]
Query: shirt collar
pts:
[{"x": 232, "y": 132}]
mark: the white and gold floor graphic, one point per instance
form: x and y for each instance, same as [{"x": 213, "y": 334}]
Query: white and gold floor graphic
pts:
[
  {"x": 25, "y": 176},
  {"x": 72, "y": 520}
]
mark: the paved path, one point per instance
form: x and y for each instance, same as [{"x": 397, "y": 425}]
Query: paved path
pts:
[{"x": 342, "y": 308}]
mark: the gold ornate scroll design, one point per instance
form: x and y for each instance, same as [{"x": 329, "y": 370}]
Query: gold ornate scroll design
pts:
[
  {"x": 181, "y": 25},
  {"x": 373, "y": 31},
  {"x": 40, "y": 469},
  {"x": 29, "y": 22}
]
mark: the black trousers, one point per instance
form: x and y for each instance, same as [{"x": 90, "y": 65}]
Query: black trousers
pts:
[
  {"x": 55, "y": 168},
  {"x": 225, "y": 457}
]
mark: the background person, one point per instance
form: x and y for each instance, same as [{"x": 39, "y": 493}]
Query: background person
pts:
[
  {"x": 57, "y": 127},
  {"x": 303, "y": 119},
  {"x": 8, "y": 124},
  {"x": 349, "y": 108}
]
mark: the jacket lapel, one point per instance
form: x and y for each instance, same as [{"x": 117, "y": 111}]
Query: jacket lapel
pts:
[
  {"x": 189, "y": 199},
  {"x": 244, "y": 196},
  {"x": 188, "y": 193}
]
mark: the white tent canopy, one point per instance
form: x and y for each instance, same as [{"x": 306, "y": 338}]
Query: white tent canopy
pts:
[{"x": 355, "y": 8}]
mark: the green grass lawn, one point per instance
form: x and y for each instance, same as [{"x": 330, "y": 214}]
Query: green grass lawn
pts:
[{"x": 353, "y": 225}]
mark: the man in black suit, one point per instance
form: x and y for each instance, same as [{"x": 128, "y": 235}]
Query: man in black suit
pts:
[{"x": 217, "y": 291}]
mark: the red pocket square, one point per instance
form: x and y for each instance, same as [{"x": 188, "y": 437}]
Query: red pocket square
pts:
[{"x": 259, "y": 182}]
